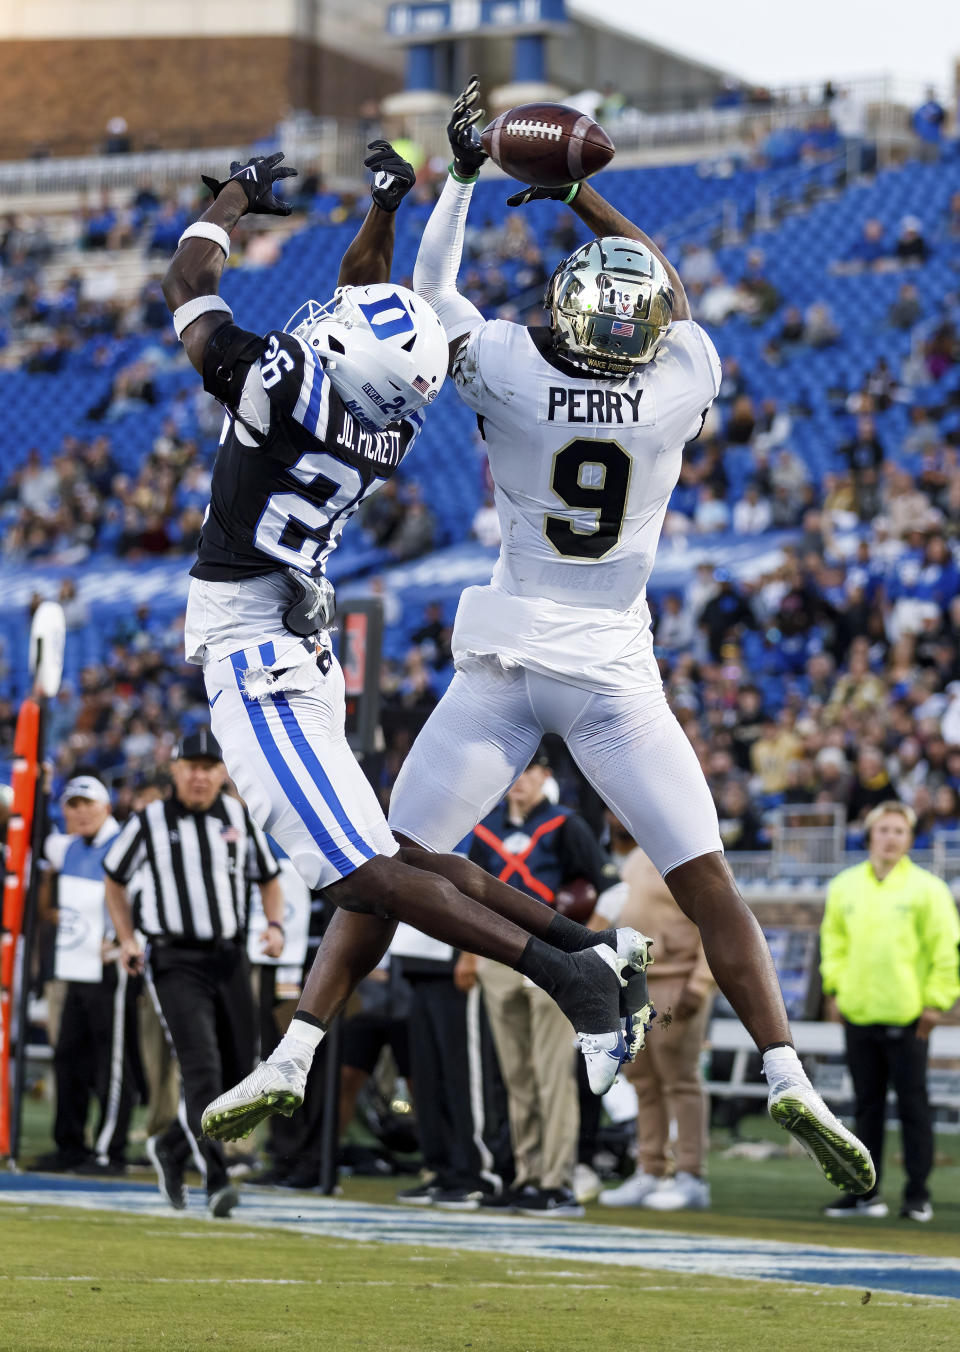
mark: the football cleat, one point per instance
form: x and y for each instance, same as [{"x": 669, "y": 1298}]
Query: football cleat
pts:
[
  {"x": 605, "y": 1052},
  {"x": 844, "y": 1160},
  {"x": 271, "y": 1088},
  {"x": 636, "y": 1008}
]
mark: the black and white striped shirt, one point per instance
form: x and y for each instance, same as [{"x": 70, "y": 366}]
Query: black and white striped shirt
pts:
[{"x": 195, "y": 868}]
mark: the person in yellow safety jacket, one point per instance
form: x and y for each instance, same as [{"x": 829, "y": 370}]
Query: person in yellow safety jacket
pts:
[{"x": 889, "y": 964}]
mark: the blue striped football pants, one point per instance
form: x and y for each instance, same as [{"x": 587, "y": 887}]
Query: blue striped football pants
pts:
[{"x": 287, "y": 754}]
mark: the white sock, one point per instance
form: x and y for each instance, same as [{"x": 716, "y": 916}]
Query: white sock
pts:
[
  {"x": 781, "y": 1066},
  {"x": 299, "y": 1043}
]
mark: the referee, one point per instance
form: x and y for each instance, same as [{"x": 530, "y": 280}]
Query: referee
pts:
[{"x": 197, "y": 853}]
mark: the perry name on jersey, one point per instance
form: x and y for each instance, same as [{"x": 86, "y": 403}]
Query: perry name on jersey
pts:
[
  {"x": 294, "y": 464},
  {"x": 583, "y": 469}
]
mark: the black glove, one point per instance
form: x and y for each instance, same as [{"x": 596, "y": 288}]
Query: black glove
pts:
[
  {"x": 565, "y": 193},
  {"x": 393, "y": 177},
  {"x": 468, "y": 153},
  {"x": 257, "y": 178}
]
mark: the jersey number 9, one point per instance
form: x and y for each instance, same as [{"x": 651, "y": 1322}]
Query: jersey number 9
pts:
[{"x": 594, "y": 477}]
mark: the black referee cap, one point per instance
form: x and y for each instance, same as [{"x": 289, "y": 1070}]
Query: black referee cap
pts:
[{"x": 199, "y": 745}]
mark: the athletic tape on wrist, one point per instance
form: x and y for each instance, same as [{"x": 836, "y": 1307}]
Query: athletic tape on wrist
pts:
[
  {"x": 192, "y": 309},
  {"x": 207, "y": 230}
]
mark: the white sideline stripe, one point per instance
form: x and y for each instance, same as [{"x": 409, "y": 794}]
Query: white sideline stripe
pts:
[
  {"x": 314, "y": 1281},
  {"x": 810, "y": 1267}
]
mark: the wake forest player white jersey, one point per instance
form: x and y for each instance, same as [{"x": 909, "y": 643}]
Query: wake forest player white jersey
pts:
[
  {"x": 583, "y": 470},
  {"x": 293, "y": 465}
]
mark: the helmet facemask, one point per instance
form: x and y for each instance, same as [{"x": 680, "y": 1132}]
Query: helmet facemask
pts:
[
  {"x": 383, "y": 348},
  {"x": 610, "y": 305}
]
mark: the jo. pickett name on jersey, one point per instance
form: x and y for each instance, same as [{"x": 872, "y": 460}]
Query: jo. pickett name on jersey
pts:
[
  {"x": 571, "y": 404},
  {"x": 382, "y": 448}
]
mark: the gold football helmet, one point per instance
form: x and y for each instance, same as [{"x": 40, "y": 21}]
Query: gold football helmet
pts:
[{"x": 610, "y": 304}]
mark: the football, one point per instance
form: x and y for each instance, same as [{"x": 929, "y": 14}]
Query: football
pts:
[
  {"x": 576, "y": 900},
  {"x": 547, "y": 144}
]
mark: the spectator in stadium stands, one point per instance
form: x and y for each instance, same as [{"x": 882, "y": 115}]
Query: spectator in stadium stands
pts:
[
  {"x": 95, "y": 1055},
  {"x": 381, "y": 514},
  {"x": 752, "y": 515},
  {"x": 928, "y": 121},
  {"x": 197, "y": 854},
  {"x": 911, "y": 247},
  {"x": 888, "y": 947},
  {"x": 741, "y": 827},
  {"x": 485, "y": 526},
  {"x": 725, "y": 614},
  {"x": 711, "y": 515},
  {"x": 433, "y": 636},
  {"x": 542, "y": 849},
  {"x": 871, "y": 783},
  {"x": 763, "y": 295},
  {"x": 675, "y": 628},
  {"x": 871, "y": 251},
  {"x": 864, "y": 453},
  {"x": 117, "y": 138},
  {"x": 414, "y": 535},
  {"x": 772, "y": 753},
  {"x": 832, "y": 776},
  {"x": 906, "y": 311},
  {"x": 666, "y": 1076},
  {"x": 819, "y": 327},
  {"x": 924, "y": 434}
]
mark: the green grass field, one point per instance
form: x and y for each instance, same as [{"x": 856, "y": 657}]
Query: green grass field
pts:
[
  {"x": 96, "y": 1280},
  {"x": 101, "y": 1281}
]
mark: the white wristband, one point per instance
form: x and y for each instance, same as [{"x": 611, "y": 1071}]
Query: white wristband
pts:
[
  {"x": 206, "y": 230},
  {"x": 192, "y": 309}
]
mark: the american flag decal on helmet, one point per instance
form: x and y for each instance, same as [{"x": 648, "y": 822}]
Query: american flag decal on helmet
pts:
[
  {"x": 420, "y": 385},
  {"x": 620, "y": 330}
]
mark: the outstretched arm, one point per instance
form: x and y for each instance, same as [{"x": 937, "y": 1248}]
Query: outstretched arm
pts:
[
  {"x": 438, "y": 259},
  {"x": 195, "y": 271},
  {"x": 192, "y": 283},
  {"x": 369, "y": 257},
  {"x": 599, "y": 216}
]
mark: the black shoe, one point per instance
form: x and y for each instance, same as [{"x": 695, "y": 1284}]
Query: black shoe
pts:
[
  {"x": 94, "y": 1168},
  {"x": 421, "y": 1195},
  {"x": 275, "y": 1177},
  {"x": 505, "y": 1201},
  {"x": 57, "y": 1162},
  {"x": 849, "y": 1205},
  {"x": 467, "y": 1198},
  {"x": 302, "y": 1176},
  {"x": 222, "y": 1202},
  {"x": 169, "y": 1174},
  {"x": 549, "y": 1202}
]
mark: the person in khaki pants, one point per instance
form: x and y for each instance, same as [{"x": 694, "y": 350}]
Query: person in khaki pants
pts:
[
  {"x": 666, "y": 1075},
  {"x": 541, "y": 849}
]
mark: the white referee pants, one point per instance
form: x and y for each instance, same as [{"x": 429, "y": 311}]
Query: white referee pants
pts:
[
  {"x": 486, "y": 728},
  {"x": 288, "y": 756}
]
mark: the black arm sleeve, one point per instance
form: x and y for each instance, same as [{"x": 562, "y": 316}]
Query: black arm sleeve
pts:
[{"x": 230, "y": 353}]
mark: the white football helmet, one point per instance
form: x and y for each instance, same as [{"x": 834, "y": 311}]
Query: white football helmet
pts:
[
  {"x": 383, "y": 348},
  {"x": 610, "y": 304}
]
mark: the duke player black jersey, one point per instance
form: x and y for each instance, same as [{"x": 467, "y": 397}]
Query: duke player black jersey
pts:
[{"x": 293, "y": 465}]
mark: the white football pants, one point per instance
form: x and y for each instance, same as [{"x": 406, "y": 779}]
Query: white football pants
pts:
[
  {"x": 486, "y": 728},
  {"x": 288, "y": 756}
]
